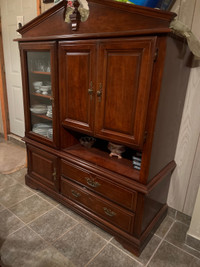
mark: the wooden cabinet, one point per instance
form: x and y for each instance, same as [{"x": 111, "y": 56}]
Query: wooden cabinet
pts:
[
  {"x": 106, "y": 80},
  {"x": 117, "y": 79}
]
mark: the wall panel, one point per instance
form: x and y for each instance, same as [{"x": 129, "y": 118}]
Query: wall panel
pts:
[{"x": 185, "y": 179}]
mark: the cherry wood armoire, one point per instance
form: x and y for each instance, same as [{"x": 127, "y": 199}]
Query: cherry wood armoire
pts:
[{"x": 119, "y": 77}]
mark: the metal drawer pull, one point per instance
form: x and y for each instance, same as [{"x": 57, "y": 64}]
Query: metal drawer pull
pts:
[
  {"x": 90, "y": 90},
  {"x": 109, "y": 212},
  {"x": 92, "y": 182},
  {"x": 99, "y": 92},
  {"x": 75, "y": 193}
]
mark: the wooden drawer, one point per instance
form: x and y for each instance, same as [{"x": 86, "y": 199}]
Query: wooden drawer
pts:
[
  {"x": 101, "y": 207},
  {"x": 100, "y": 185}
]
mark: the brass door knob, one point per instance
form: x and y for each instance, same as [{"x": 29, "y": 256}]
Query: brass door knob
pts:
[{"x": 99, "y": 92}]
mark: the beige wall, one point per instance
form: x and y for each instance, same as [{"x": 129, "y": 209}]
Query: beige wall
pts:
[
  {"x": 45, "y": 7},
  {"x": 194, "y": 229},
  {"x": 186, "y": 177}
]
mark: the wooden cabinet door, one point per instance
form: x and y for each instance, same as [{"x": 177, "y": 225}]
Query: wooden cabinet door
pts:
[
  {"x": 77, "y": 80},
  {"x": 124, "y": 77},
  {"x": 39, "y": 73},
  {"x": 43, "y": 167}
]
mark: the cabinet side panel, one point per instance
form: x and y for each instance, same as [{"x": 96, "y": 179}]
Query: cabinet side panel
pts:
[
  {"x": 171, "y": 102},
  {"x": 154, "y": 201}
]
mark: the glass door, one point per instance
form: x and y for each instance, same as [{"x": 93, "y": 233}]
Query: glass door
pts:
[
  {"x": 39, "y": 76},
  {"x": 39, "y": 90}
]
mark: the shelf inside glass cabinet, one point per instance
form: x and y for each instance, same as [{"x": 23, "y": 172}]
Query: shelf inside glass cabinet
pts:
[
  {"x": 41, "y": 72},
  {"x": 40, "y": 93}
]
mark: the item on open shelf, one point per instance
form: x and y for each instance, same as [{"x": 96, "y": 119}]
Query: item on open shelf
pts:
[
  {"x": 45, "y": 89},
  {"x": 42, "y": 64},
  {"x": 87, "y": 141},
  {"x": 49, "y": 114},
  {"x": 42, "y": 129},
  {"x": 37, "y": 85},
  {"x": 116, "y": 150},
  {"x": 49, "y": 111},
  {"x": 137, "y": 158},
  {"x": 50, "y": 133},
  {"x": 38, "y": 109}
]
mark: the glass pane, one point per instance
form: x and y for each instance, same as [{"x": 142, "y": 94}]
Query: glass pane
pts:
[{"x": 39, "y": 76}]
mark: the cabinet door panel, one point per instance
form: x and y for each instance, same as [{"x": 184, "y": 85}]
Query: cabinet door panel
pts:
[
  {"x": 125, "y": 69},
  {"x": 43, "y": 167},
  {"x": 77, "y": 85}
]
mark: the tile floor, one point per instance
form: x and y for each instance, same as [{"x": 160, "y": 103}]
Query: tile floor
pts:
[{"x": 37, "y": 231}]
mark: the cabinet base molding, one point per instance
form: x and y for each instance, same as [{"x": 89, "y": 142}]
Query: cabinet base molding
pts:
[
  {"x": 136, "y": 249},
  {"x": 133, "y": 244}
]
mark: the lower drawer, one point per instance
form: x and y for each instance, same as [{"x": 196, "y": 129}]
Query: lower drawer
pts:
[
  {"x": 101, "y": 207},
  {"x": 100, "y": 185}
]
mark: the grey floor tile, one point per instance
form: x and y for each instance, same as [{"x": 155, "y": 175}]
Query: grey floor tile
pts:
[
  {"x": 6, "y": 181},
  {"x": 146, "y": 253},
  {"x": 31, "y": 208},
  {"x": 9, "y": 223},
  {"x": 49, "y": 199},
  {"x": 193, "y": 242},
  {"x": 13, "y": 194},
  {"x": 96, "y": 229},
  {"x": 1, "y": 207},
  {"x": 70, "y": 212},
  {"x": 183, "y": 218},
  {"x": 52, "y": 224},
  {"x": 50, "y": 257},
  {"x": 79, "y": 245},
  {"x": 20, "y": 246},
  {"x": 177, "y": 236},
  {"x": 169, "y": 256},
  {"x": 111, "y": 256},
  {"x": 20, "y": 176},
  {"x": 164, "y": 227},
  {"x": 172, "y": 212}
]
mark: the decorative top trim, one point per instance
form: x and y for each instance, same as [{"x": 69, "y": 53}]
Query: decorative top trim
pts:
[{"x": 163, "y": 17}]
